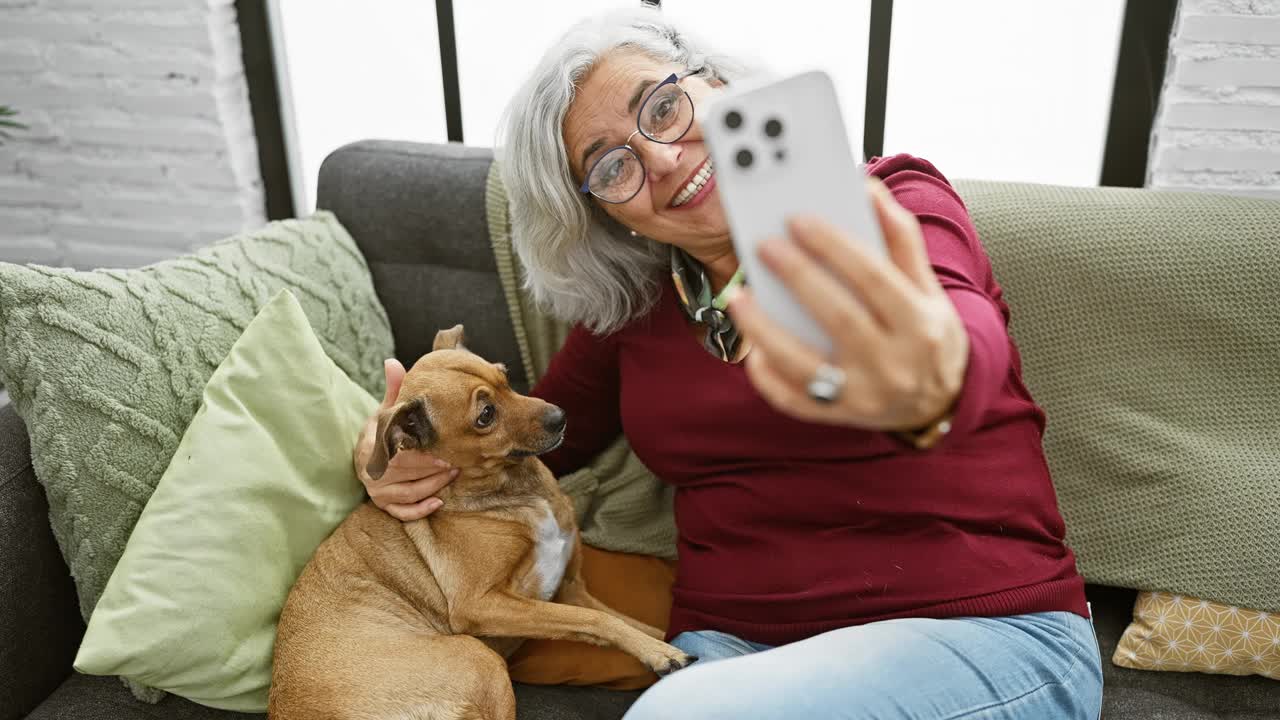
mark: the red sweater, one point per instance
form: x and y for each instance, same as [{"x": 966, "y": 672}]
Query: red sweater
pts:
[{"x": 787, "y": 528}]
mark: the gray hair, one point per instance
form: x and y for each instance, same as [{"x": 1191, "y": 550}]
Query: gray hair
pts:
[{"x": 580, "y": 265}]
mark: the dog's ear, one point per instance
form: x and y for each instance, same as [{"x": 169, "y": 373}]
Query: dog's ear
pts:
[
  {"x": 450, "y": 339},
  {"x": 404, "y": 426}
]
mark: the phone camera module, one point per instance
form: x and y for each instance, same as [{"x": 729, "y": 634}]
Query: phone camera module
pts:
[
  {"x": 733, "y": 119},
  {"x": 744, "y": 158},
  {"x": 773, "y": 128}
]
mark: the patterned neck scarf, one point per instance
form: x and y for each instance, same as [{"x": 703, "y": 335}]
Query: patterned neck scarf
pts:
[{"x": 693, "y": 287}]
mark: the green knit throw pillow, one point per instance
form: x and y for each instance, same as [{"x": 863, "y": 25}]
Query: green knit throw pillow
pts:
[
  {"x": 1147, "y": 325},
  {"x": 107, "y": 367}
]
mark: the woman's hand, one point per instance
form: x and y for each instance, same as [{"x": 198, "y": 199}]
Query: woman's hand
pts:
[
  {"x": 897, "y": 337},
  {"x": 406, "y": 491}
]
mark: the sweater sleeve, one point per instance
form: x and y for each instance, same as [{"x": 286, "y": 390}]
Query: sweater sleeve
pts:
[
  {"x": 964, "y": 271},
  {"x": 582, "y": 378}
]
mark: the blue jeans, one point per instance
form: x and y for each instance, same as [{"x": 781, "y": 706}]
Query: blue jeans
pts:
[{"x": 1044, "y": 666}]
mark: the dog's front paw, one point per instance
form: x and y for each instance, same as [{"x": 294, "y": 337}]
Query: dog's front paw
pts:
[
  {"x": 679, "y": 663},
  {"x": 670, "y": 660}
]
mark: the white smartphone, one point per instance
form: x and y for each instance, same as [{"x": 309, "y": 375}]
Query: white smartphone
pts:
[{"x": 780, "y": 148}]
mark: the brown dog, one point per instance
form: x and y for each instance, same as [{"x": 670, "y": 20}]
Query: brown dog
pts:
[{"x": 415, "y": 620}]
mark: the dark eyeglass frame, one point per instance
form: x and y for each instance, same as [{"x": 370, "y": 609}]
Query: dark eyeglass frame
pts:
[{"x": 672, "y": 79}]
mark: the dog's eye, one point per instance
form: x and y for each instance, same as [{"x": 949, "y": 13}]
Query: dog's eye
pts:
[{"x": 486, "y": 416}]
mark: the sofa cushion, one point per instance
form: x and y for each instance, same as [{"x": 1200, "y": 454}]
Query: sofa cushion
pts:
[
  {"x": 87, "y": 697},
  {"x": 417, "y": 212},
  {"x": 40, "y": 624},
  {"x": 1128, "y": 694}
]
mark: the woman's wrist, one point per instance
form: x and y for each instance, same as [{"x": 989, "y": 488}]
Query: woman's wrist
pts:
[{"x": 927, "y": 435}]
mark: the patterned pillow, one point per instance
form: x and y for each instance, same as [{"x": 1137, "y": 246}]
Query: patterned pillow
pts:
[
  {"x": 107, "y": 367},
  {"x": 1187, "y": 634}
]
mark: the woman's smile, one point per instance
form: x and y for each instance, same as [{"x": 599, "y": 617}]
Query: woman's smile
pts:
[{"x": 700, "y": 184}]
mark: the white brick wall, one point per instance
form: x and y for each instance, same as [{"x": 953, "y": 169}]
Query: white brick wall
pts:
[
  {"x": 1218, "y": 127},
  {"x": 141, "y": 143}
]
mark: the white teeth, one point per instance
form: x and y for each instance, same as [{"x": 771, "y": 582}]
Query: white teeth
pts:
[{"x": 695, "y": 184}]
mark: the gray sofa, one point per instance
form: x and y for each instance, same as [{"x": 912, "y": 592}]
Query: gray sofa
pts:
[{"x": 417, "y": 212}]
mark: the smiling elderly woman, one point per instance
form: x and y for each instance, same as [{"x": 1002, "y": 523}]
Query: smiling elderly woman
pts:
[{"x": 884, "y": 542}]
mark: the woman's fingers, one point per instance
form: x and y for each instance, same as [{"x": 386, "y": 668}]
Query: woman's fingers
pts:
[
  {"x": 406, "y": 465},
  {"x": 412, "y": 499},
  {"x": 903, "y": 237},
  {"x": 415, "y": 463},
  {"x": 395, "y": 373},
  {"x": 888, "y": 293},
  {"x": 405, "y": 499},
  {"x": 415, "y": 511},
  {"x": 831, "y": 303},
  {"x": 407, "y": 492},
  {"x": 777, "y": 391}
]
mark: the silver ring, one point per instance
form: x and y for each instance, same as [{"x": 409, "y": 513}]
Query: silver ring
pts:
[{"x": 828, "y": 380}]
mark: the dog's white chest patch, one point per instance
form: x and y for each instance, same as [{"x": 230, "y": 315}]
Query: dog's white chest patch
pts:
[{"x": 552, "y": 549}]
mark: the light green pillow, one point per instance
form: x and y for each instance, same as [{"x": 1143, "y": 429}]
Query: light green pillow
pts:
[{"x": 262, "y": 475}]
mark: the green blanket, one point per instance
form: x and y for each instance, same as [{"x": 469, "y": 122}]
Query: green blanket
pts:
[{"x": 1149, "y": 329}]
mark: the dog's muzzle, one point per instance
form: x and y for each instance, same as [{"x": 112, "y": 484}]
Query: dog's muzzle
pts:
[{"x": 523, "y": 453}]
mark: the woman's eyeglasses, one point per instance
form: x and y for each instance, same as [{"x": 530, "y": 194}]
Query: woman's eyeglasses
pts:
[{"x": 665, "y": 116}]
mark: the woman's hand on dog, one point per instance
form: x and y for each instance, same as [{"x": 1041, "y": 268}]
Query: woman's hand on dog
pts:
[
  {"x": 898, "y": 339},
  {"x": 406, "y": 491}
]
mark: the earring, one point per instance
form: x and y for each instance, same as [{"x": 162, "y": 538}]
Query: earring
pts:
[{"x": 635, "y": 234}]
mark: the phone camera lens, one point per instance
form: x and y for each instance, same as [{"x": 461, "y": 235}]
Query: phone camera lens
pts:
[
  {"x": 733, "y": 119},
  {"x": 744, "y": 158},
  {"x": 773, "y": 128}
]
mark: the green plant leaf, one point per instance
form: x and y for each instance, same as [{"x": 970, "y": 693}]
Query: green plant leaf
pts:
[{"x": 7, "y": 112}]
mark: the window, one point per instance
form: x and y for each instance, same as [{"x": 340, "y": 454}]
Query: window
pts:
[
  {"x": 1003, "y": 89},
  {"x": 807, "y": 35},
  {"x": 495, "y": 56},
  {"x": 498, "y": 46},
  {"x": 354, "y": 71}
]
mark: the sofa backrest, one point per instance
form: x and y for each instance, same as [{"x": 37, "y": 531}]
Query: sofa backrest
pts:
[
  {"x": 417, "y": 212},
  {"x": 1148, "y": 322}
]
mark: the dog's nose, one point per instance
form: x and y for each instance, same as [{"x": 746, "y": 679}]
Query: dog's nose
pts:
[{"x": 553, "y": 420}]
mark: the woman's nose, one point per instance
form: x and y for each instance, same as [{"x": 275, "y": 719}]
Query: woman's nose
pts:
[{"x": 659, "y": 158}]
